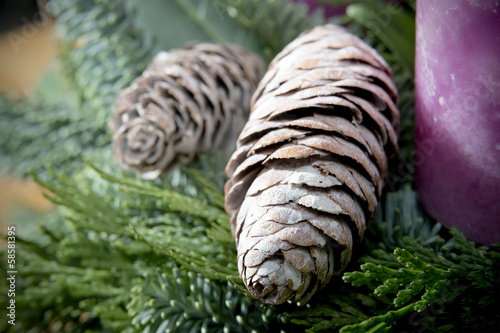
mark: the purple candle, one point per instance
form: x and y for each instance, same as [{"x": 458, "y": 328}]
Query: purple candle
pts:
[{"x": 457, "y": 116}]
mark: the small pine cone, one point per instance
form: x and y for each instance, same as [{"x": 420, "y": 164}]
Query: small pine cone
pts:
[
  {"x": 187, "y": 101},
  {"x": 310, "y": 163}
]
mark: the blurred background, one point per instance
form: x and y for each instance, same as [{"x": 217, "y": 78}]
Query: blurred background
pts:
[{"x": 22, "y": 65}]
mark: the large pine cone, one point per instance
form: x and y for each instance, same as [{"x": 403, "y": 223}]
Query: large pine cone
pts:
[
  {"x": 187, "y": 101},
  {"x": 310, "y": 163}
]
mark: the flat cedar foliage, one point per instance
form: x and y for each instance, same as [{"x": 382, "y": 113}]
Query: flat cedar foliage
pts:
[{"x": 122, "y": 254}]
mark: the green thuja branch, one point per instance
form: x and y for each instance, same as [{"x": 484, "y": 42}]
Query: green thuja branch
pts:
[
  {"x": 181, "y": 250},
  {"x": 70, "y": 279},
  {"x": 90, "y": 258},
  {"x": 177, "y": 221},
  {"x": 419, "y": 277},
  {"x": 379, "y": 324},
  {"x": 172, "y": 200}
]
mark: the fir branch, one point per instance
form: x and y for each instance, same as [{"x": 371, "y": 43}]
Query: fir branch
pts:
[
  {"x": 103, "y": 48},
  {"x": 400, "y": 215},
  {"x": 187, "y": 302},
  {"x": 35, "y": 134}
]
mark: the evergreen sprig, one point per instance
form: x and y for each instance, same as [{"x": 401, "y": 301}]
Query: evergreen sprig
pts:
[
  {"x": 420, "y": 277},
  {"x": 69, "y": 279},
  {"x": 339, "y": 305},
  {"x": 180, "y": 301},
  {"x": 169, "y": 215},
  {"x": 88, "y": 258},
  {"x": 103, "y": 50},
  {"x": 35, "y": 134},
  {"x": 400, "y": 215}
]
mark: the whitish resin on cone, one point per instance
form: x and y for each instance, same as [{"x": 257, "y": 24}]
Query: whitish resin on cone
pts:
[{"x": 310, "y": 163}]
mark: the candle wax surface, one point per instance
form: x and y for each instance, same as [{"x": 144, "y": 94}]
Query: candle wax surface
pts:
[{"x": 457, "y": 116}]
